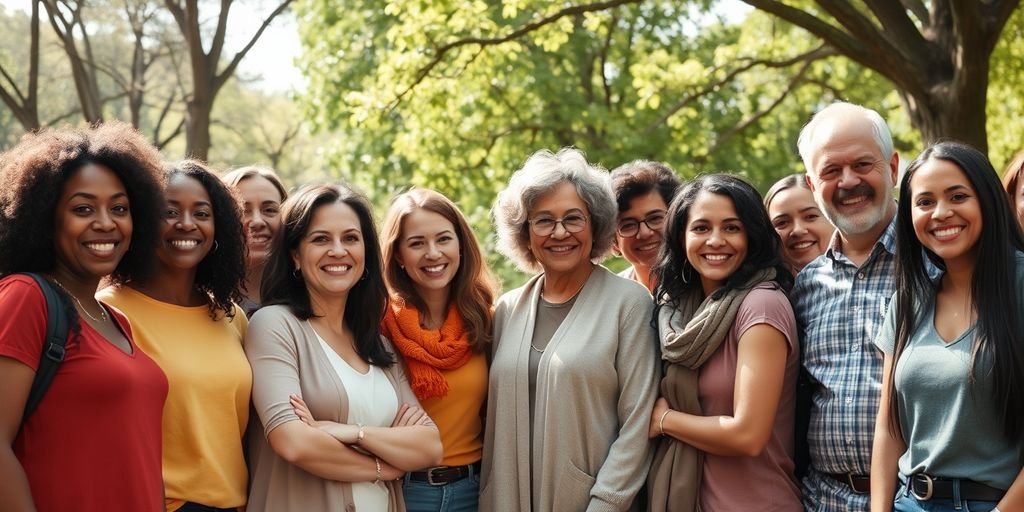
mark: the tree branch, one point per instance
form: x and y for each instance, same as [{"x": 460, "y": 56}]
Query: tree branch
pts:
[
  {"x": 230, "y": 69},
  {"x": 919, "y": 9},
  {"x": 14, "y": 86},
  {"x": 160, "y": 144},
  {"x": 899, "y": 29},
  {"x": 808, "y": 57},
  {"x": 996, "y": 15},
  {"x": 606, "y": 87},
  {"x": 724, "y": 138},
  {"x": 217, "y": 44},
  {"x": 444, "y": 49},
  {"x": 842, "y": 41}
]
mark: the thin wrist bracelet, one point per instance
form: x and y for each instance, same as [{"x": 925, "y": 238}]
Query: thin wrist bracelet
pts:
[
  {"x": 377, "y": 461},
  {"x": 661, "y": 424},
  {"x": 361, "y": 435}
]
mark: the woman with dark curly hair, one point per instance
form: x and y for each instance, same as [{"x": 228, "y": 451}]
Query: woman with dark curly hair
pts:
[
  {"x": 78, "y": 205},
  {"x": 317, "y": 341},
  {"x": 185, "y": 317},
  {"x": 262, "y": 193},
  {"x": 729, "y": 344}
]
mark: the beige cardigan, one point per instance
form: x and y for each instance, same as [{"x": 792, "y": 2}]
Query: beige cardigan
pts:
[
  {"x": 596, "y": 387},
  {"x": 286, "y": 359}
]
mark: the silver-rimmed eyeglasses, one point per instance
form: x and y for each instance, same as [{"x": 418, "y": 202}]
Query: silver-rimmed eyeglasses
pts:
[{"x": 544, "y": 225}]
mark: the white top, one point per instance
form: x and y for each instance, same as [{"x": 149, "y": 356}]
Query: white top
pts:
[{"x": 372, "y": 401}]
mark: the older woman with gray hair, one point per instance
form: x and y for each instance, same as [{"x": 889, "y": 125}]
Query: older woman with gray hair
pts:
[{"x": 575, "y": 359}]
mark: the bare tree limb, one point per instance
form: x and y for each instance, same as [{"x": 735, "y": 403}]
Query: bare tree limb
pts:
[
  {"x": 15, "y": 91},
  {"x": 230, "y": 69},
  {"x": 899, "y": 29},
  {"x": 919, "y": 9},
  {"x": 24, "y": 105},
  {"x": 217, "y": 43},
  {"x": 160, "y": 144},
  {"x": 842, "y": 41}
]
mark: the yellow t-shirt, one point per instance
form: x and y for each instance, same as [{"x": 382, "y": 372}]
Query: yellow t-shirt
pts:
[{"x": 207, "y": 406}]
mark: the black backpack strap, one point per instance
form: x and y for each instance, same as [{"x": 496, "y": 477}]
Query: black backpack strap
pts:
[{"x": 53, "y": 346}]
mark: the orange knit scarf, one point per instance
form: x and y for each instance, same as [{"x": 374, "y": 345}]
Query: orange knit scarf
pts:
[{"x": 426, "y": 352}]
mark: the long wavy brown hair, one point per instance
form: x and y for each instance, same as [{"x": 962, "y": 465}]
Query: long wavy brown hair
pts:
[{"x": 473, "y": 288}]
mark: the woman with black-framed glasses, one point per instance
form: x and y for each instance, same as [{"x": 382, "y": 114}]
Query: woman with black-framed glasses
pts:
[
  {"x": 643, "y": 190},
  {"x": 574, "y": 369}
]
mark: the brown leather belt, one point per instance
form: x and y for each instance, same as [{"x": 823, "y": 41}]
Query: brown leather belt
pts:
[
  {"x": 926, "y": 487},
  {"x": 444, "y": 475},
  {"x": 859, "y": 484}
]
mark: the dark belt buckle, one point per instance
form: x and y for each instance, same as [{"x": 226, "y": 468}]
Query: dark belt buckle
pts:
[
  {"x": 929, "y": 486},
  {"x": 852, "y": 484},
  {"x": 430, "y": 476}
]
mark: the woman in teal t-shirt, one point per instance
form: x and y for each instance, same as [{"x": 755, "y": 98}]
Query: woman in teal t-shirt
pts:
[{"x": 950, "y": 422}]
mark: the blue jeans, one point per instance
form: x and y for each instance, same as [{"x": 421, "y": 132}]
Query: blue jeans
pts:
[
  {"x": 906, "y": 502},
  {"x": 459, "y": 496}
]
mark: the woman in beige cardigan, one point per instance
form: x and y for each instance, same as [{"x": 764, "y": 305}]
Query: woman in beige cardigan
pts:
[
  {"x": 574, "y": 372},
  {"x": 340, "y": 422}
]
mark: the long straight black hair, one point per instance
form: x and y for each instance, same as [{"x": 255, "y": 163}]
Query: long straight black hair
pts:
[
  {"x": 282, "y": 284},
  {"x": 676, "y": 276},
  {"x": 993, "y": 285}
]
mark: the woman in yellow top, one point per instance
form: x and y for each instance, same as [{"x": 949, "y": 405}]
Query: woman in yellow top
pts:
[
  {"x": 440, "y": 320},
  {"x": 185, "y": 318}
]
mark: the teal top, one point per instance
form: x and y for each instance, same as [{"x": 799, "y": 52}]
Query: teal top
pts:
[{"x": 951, "y": 425}]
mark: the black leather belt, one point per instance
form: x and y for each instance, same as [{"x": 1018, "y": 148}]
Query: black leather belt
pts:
[
  {"x": 926, "y": 487},
  {"x": 444, "y": 475},
  {"x": 859, "y": 484}
]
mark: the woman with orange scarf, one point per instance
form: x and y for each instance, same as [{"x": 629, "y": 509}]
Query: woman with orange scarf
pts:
[{"x": 440, "y": 320}]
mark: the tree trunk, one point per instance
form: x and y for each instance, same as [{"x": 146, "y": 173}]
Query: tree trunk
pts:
[
  {"x": 939, "y": 63},
  {"x": 942, "y": 117},
  {"x": 197, "y": 129}
]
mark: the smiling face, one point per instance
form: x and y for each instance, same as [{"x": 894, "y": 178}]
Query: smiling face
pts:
[
  {"x": 561, "y": 252},
  {"x": 92, "y": 224},
  {"x": 261, "y": 213},
  {"x": 641, "y": 249},
  {"x": 188, "y": 229},
  {"x": 428, "y": 250},
  {"x": 851, "y": 180},
  {"x": 331, "y": 254},
  {"x": 804, "y": 231},
  {"x": 945, "y": 211},
  {"x": 715, "y": 241}
]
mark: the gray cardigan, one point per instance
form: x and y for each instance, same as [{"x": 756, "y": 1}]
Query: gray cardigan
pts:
[
  {"x": 287, "y": 358},
  {"x": 596, "y": 387}
]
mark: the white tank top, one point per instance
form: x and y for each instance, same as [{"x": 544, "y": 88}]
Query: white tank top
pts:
[{"x": 372, "y": 401}]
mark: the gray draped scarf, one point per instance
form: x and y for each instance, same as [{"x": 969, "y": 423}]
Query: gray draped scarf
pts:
[{"x": 690, "y": 335}]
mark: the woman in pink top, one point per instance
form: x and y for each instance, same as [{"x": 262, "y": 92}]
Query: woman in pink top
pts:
[{"x": 728, "y": 338}]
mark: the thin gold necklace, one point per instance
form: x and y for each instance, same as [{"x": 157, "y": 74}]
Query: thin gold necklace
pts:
[{"x": 103, "y": 313}]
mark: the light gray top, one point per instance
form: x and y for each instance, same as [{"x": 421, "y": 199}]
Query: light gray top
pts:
[{"x": 596, "y": 385}]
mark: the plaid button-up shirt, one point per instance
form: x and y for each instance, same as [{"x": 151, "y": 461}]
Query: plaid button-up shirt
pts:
[{"x": 839, "y": 308}]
